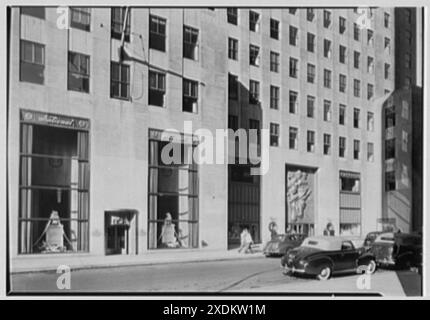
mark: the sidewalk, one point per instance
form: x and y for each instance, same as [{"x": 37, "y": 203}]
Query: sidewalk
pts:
[
  {"x": 384, "y": 282},
  {"x": 50, "y": 262}
]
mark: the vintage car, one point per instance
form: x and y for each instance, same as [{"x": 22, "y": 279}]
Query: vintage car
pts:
[
  {"x": 370, "y": 239},
  {"x": 398, "y": 250},
  {"x": 281, "y": 243},
  {"x": 325, "y": 256}
]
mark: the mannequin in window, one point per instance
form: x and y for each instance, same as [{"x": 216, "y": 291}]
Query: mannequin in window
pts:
[{"x": 168, "y": 233}]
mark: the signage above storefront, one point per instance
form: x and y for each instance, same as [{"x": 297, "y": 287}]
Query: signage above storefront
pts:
[{"x": 43, "y": 118}]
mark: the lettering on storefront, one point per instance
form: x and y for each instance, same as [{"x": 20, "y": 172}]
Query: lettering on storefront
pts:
[{"x": 54, "y": 120}]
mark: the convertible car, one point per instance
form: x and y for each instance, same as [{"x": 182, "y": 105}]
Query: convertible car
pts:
[
  {"x": 325, "y": 256},
  {"x": 281, "y": 243}
]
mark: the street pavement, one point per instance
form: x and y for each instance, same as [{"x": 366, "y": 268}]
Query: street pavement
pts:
[{"x": 257, "y": 274}]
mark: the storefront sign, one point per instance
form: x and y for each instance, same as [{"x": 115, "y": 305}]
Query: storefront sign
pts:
[{"x": 56, "y": 120}]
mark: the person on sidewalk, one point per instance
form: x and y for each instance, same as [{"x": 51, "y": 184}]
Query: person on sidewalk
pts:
[{"x": 246, "y": 241}]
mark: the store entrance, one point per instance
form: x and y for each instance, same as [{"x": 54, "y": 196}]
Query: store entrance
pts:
[{"x": 121, "y": 232}]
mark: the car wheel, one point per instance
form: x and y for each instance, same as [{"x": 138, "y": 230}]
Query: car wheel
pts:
[
  {"x": 371, "y": 267},
  {"x": 325, "y": 273}
]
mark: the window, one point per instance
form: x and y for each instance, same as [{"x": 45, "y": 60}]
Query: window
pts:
[
  {"x": 327, "y": 144},
  {"x": 311, "y": 42},
  {"x": 293, "y": 137},
  {"x": 157, "y": 88},
  {"x": 233, "y": 122},
  {"x": 293, "y": 67},
  {"x": 356, "y": 59},
  {"x": 274, "y": 97},
  {"x": 254, "y": 92},
  {"x": 190, "y": 95},
  {"x": 310, "y": 14},
  {"x": 342, "y": 83},
  {"x": 191, "y": 48},
  {"x": 32, "y": 62},
  {"x": 342, "y": 54},
  {"x": 327, "y": 48},
  {"x": 327, "y": 110},
  {"x": 233, "y": 47},
  {"x": 356, "y": 149},
  {"x": 78, "y": 72},
  {"x": 293, "y": 101},
  {"x": 369, "y": 91},
  {"x": 233, "y": 87},
  {"x": 370, "y": 152},
  {"x": 370, "y": 121},
  {"x": 293, "y": 36},
  {"x": 386, "y": 71},
  {"x": 274, "y": 134},
  {"x": 311, "y": 73},
  {"x": 292, "y": 11},
  {"x": 390, "y": 117},
  {"x": 342, "y": 25},
  {"x": 350, "y": 182},
  {"x": 310, "y": 141},
  {"x": 274, "y": 29},
  {"x": 254, "y": 125},
  {"x": 386, "y": 20},
  {"x": 356, "y": 88},
  {"x": 342, "y": 147},
  {"x": 274, "y": 61},
  {"x": 254, "y": 23},
  {"x": 157, "y": 33},
  {"x": 310, "y": 106},
  {"x": 120, "y": 81},
  {"x": 117, "y": 23},
  {"x": 387, "y": 45},
  {"x": 327, "y": 18},
  {"x": 80, "y": 18},
  {"x": 356, "y": 118},
  {"x": 369, "y": 37},
  {"x": 390, "y": 148},
  {"x": 356, "y": 32},
  {"x": 232, "y": 15},
  {"x": 37, "y": 12},
  {"x": 342, "y": 113},
  {"x": 327, "y": 78},
  {"x": 370, "y": 65},
  {"x": 390, "y": 181},
  {"x": 254, "y": 55}
]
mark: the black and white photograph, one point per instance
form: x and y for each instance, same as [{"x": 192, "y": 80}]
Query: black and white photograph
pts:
[{"x": 215, "y": 150}]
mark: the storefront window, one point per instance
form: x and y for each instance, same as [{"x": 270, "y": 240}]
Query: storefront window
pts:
[
  {"x": 54, "y": 189},
  {"x": 173, "y": 196}
]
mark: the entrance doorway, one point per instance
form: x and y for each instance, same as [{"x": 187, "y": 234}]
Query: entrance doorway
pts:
[{"x": 121, "y": 232}]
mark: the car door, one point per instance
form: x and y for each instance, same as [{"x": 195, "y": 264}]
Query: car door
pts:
[{"x": 347, "y": 257}]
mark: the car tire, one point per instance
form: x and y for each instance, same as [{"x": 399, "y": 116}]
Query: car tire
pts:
[
  {"x": 371, "y": 267},
  {"x": 324, "y": 274}
]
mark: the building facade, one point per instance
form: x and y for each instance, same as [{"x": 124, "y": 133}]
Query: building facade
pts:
[{"x": 95, "y": 94}]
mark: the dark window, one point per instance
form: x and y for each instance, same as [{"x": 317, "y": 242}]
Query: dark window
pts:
[
  {"x": 327, "y": 78},
  {"x": 117, "y": 23},
  {"x": 390, "y": 117},
  {"x": 293, "y": 36},
  {"x": 157, "y": 33},
  {"x": 254, "y": 92},
  {"x": 120, "y": 81},
  {"x": 356, "y": 32},
  {"x": 356, "y": 118},
  {"x": 190, "y": 95},
  {"x": 327, "y": 144},
  {"x": 311, "y": 141},
  {"x": 370, "y": 65},
  {"x": 80, "y": 18},
  {"x": 327, "y": 18},
  {"x": 274, "y": 61},
  {"x": 233, "y": 87},
  {"x": 38, "y": 12},
  {"x": 294, "y": 97},
  {"x": 342, "y": 54},
  {"x": 274, "y": 134},
  {"x": 157, "y": 88},
  {"x": 342, "y": 112},
  {"x": 342, "y": 83},
  {"x": 293, "y": 138},
  {"x": 293, "y": 67},
  {"x": 386, "y": 20},
  {"x": 370, "y": 121},
  {"x": 254, "y": 22},
  {"x": 233, "y": 122},
  {"x": 370, "y": 152},
  {"x": 387, "y": 44},
  {"x": 232, "y": 15},
  {"x": 78, "y": 72},
  {"x": 32, "y": 62},
  {"x": 390, "y": 181},
  {"x": 357, "y": 88},
  {"x": 342, "y": 25},
  {"x": 390, "y": 148},
  {"x": 342, "y": 147},
  {"x": 356, "y": 149},
  {"x": 327, "y": 48},
  {"x": 350, "y": 182},
  {"x": 292, "y": 10},
  {"x": 274, "y": 29},
  {"x": 191, "y": 48},
  {"x": 369, "y": 91},
  {"x": 386, "y": 71},
  {"x": 254, "y": 55},
  {"x": 233, "y": 47},
  {"x": 311, "y": 42},
  {"x": 310, "y": 106},
  {"x": 356, "y": 59},
  {"x": 311, "y": 73},
  {"x": 310, "y": 14},
  {"x": 370, "y": 37},
  {"x": 274, "y": 97},
  {"x": 327, "y": 110}
]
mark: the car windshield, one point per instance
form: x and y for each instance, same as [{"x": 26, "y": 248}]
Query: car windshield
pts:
[{"x": 320, "y": 244}]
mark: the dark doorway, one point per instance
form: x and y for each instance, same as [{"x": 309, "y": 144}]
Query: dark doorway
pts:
[{"x": 121, "y": 232}]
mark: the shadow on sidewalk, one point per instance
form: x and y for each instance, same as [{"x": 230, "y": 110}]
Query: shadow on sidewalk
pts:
[{"x": 411, "y": 282}]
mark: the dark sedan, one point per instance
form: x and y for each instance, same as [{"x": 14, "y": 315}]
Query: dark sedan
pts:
[
  {"x": 281, "y": 243},
  {"x": 325, "y": 256}
]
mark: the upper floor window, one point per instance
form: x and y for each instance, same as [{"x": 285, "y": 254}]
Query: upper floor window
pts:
[
  {"x": 342, "y": 82},
  {"x": 293, "y": 67},
  {"x": 342, "y": 54},
  {"x": 293, "y": 138},
  {"x": 254, "y": 55},
  {"x": 274, "y": 29},
  {"x": 390, "y": 117},
  {"x": 327, "y": 18},
  {"x": 157, "y": 88},
  {"x": 274, "y": 134},
  {"x": 120, "y": 81},
  {"x": 370, "y": 91},
  {"x": 254, "y": 92},
  {"x": 157, "y": 33},
  {"x": 190, "y": 95},
  {"x": 386, "y": 70},
  {"x": 387, "y": 45},
  {"x": 310, "y": 14},
  {"x": 274, "y": 97},
  {"x": 327, "y": 110},
  {"x": 274, "y": 61},
  {"x": 294, "y": 101},
  {"x": 232, "y": 15},
  {"x": 342, "y": 25},
  {"x": 370, "y": 37},
  {"x": 327, "y": 78},
  {"x": 254, "y": 21},
  {"x": 310, "y": 106},
  {"x": 117, "y": 23},
  {"x": 292, "y": 10},
  {"x": 370, "y": 121},
  {"x": 311, "y": 42},
  {"x": 370, "y": 152},
  {"x": 311, "y": 73},
  {"x": 233, "y": 87},
  {"x": 327, "y": 48},
  {"x": 78, "y": 72},
  {"x": 356, "y": 59},
  {"x": 191, "y": 48},
  {"x": 356, "y": 32},
  {"x": 370, "y": 65},
  {"x": 233, "y": 47},
  {"x": 357, "y": 90},
  {"x": 310, "y": 141},
  {"x": 37, "y": 12},
  {"x": 386, "y": 20},
  {"x": 342, "y": 114},
  {"x": 32, "y": 62},
  {"x": 356, "y": 149},
  {"x": 327, "y": 144},
  {"x": 80, "y": 18},
  {"x": 293, "y": 36},
  {"x": 356, "y": 118}
]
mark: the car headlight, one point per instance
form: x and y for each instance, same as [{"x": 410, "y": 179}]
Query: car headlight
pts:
[{"x": 303, "y": 263}]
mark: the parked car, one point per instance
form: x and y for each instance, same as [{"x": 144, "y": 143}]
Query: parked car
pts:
[
  {"x": 398, "y": 250},
  {"x": 370, "y": 239},
  {"x": 281, "y": 243},
  {"x": 325, "y": 256}
]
